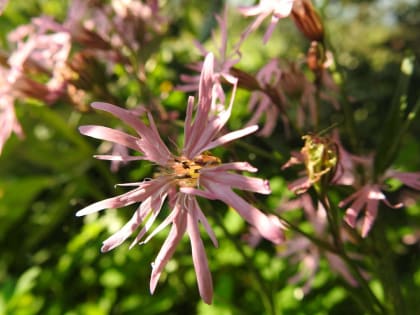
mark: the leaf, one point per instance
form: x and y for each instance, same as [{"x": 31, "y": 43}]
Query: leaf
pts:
[{"x": 16, "y": 194}]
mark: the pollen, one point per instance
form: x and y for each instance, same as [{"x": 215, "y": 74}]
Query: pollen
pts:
[{"x": 186, "y": 172}]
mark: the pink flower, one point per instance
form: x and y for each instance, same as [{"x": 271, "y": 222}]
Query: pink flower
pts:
[
  {"x": 410, "y": 179},
  {"x": 3, "y": 4},
  {"x": 44, "y": 52},
  {"x": 223, "y": 62},
  {"x": 193, "y": 173},
  {"x": 8, "y": 121},
  {"x": 278, "y": 9},
  {"x": 303, "y": 251},
  {"x": 368, "y": 193},
  {"x": 367, "y": 199},
  {"x": 260, "y": 103}
]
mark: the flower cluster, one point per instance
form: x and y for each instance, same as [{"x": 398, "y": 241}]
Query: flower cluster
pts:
[{"x": 126, "y": 52}]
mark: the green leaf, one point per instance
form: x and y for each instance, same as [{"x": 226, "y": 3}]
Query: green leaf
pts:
[{"x": 16, "y": 194}]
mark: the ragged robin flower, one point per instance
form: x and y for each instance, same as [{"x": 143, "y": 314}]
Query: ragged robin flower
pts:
[{"x": 181, "y": 178}]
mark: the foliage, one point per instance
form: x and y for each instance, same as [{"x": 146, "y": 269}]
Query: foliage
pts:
[{"x": 51, "y": 261}]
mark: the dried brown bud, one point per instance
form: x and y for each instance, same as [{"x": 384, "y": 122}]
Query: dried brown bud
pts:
[
  {"x": 245, "y": 80},
  {"x": 315, "y": 57},
  {"x": 307, "y": 20}
]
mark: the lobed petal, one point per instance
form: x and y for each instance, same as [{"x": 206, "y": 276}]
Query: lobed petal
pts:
[
  {"x": 208, "y": 179},
  {"x": 204, "y": 280},
  {"x": 269, "y": 227},
  {"x": 178, "y": 229},
  {"x": 109, "y": 134},
  {"x": 230, "y": 137}
]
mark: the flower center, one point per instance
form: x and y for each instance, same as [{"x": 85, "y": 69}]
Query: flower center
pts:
[{"x": 186, "y": 172}]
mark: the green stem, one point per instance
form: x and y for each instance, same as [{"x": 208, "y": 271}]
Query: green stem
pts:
[
  {"x": 371, "y": 302},
  {"x": 349, "y": 122},
  {"x": 272, "y": 156},
  {"x": 320, "y": 243},
  {"x": 386, "y": 270}
]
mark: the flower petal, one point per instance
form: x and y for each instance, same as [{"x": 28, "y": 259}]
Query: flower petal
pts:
[
  {"x": 230, "y": 137},
  {"x": 208, "y": 178},
  {"x": 268, "y": 226},
  {"x": 109, "y": 134},
  {"x": 178, "y": 229},
  {"x": 204, "y": 280}
]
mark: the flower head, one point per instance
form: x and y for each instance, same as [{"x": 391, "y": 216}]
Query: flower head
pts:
[
  {"x": 308, "y": 255},
  {"x": 194, "y": 172},
  {"x": 224, "y": 61}
]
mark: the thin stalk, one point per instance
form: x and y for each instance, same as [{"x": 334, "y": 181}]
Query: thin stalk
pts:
[
  {"x": 386, "y": 270},
  {"x": 371, "y": 301},
  {"x": 258, "y": 151},
  {"x": 349, "y": 122},
  {"x": 320, "y": 243}
]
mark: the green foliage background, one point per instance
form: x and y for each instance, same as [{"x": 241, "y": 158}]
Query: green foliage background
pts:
[{"x": 50, "y": 260}]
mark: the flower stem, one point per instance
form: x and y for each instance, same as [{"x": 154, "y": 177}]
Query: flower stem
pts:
[
  {"x": 386, "y": 270},
  {"x": 371, "y": 302}
]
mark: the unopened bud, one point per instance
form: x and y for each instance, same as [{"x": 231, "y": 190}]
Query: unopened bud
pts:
[
  {"x": 315, "y": 57},
  {"x": 307, "y": 20},
  {"x": 245, "y": 80}
]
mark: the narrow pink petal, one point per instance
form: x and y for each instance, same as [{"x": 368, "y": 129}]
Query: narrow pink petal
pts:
[
  {"x": 230, "y": 137},
  {"x": 202, "y": 218},
  {"x": 234, "y": 166},
  {"x": 300, "y": 185},
  {"x": 114, "y": 202},
  {"x": 350, "y": 198},
  {"x": 294, "y": 246},
  {"x": 178, "y": 229},
  {"x": 197, "y": 192},
  {"x": 338, "y": 265},
  {"x": 353, "y": 211},
  {"x": 251, "y": 11},
  {"x": 269, "y": 227},
  {"x": 412, "y": 180},
  {"x": 204, "y": 90},
  {"x": 118, "y": 158},
  {"x": 204, "y": 106},
  {"x": 208, "y": 178},
  {"x": 370, "y": 216},
  {"x": 109, "y": 134},
  {"x": 270, "y": 29},
  {"x": 188, "y": 122},
  {"x": 119, "y": 237},
  {"x": 150, "y": 142},
  {"x": 159, "y": 228},
  {"x": 204, "y": 280},
  {"x": 143, "y": 191}
]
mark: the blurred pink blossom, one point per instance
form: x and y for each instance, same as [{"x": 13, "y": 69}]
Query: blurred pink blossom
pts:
[
  {"x": 8, "y": 121},
  {"x": 3, "y": 4},
  {"x": 369, "y": 193},
  {"x": 366, "y": 198},
  {"x": 182, "y": 178},
  {"x": 43, "y": 52},
  {"x": 278, "y": 9},
  {"x": 260, "y": 103},
  {"x": 224, "y": 60},
  {"x": 303, "y": 251}
]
